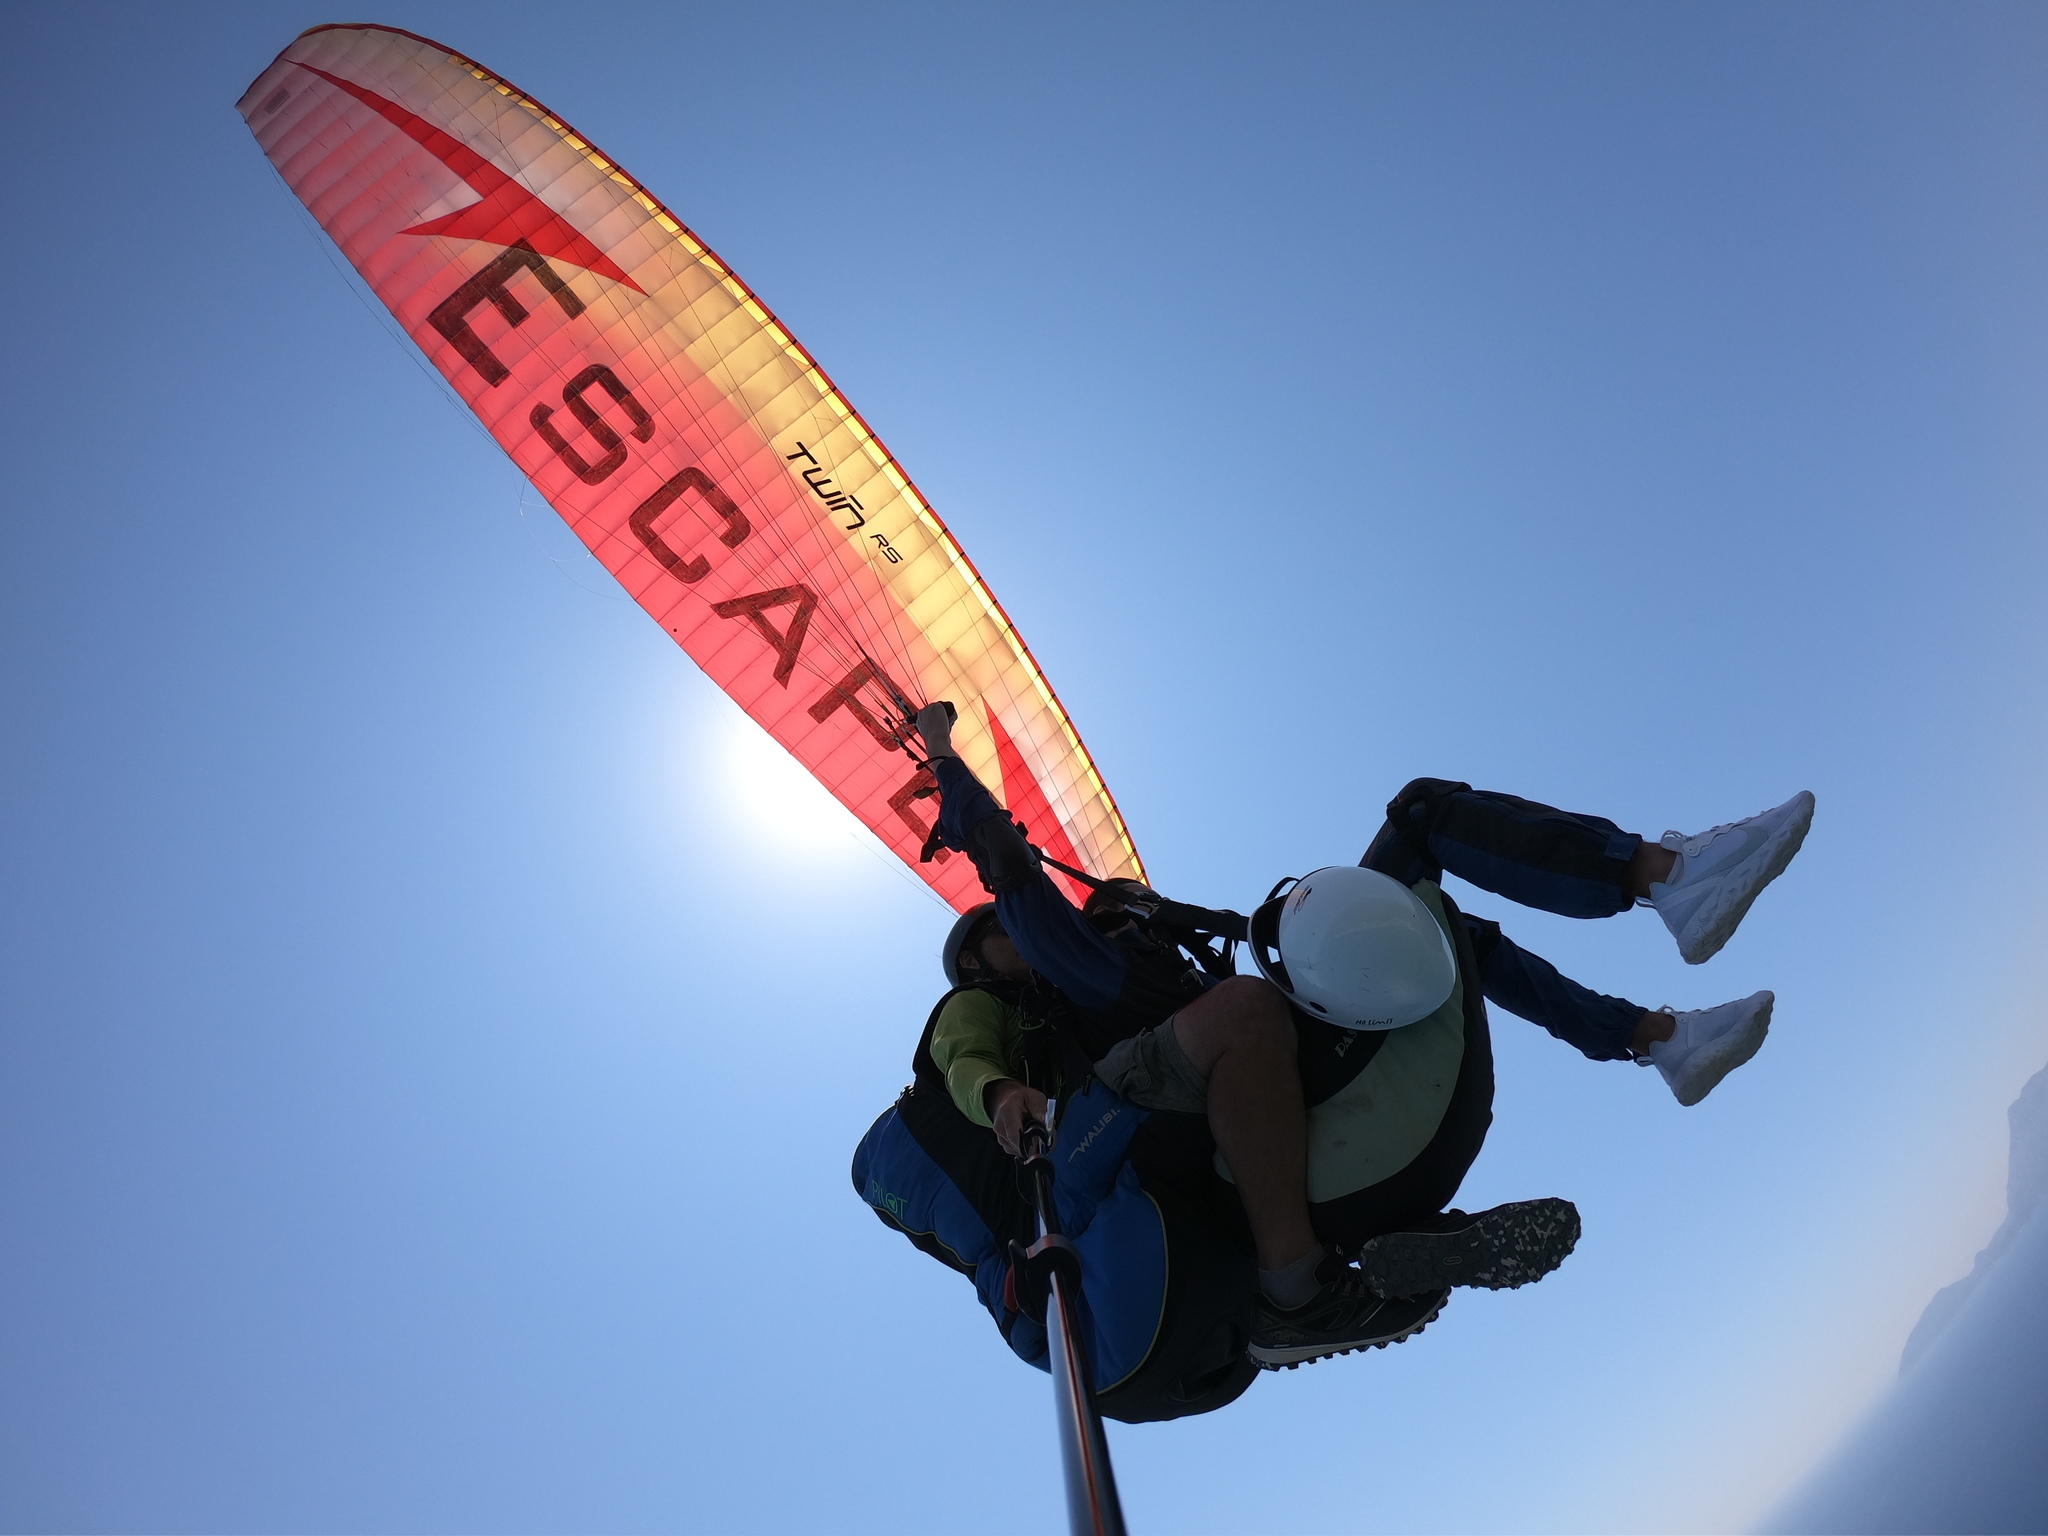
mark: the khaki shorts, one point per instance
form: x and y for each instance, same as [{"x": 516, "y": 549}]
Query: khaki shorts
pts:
[{"x": 1152, "y": 1070}]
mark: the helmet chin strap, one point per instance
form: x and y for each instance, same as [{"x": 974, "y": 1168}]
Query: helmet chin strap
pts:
[{"x": 1280, "y": 885}]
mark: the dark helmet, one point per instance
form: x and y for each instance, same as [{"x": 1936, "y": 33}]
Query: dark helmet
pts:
[{"x": 965, "y": 928}]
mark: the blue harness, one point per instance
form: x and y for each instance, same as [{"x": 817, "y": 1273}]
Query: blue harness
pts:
[{"x": 957, "y": 1197}]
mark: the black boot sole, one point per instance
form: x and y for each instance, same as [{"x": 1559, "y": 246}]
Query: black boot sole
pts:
[
  {"x": 1498, "y": 1250},
  {"x": 1350, "y": 1349}
]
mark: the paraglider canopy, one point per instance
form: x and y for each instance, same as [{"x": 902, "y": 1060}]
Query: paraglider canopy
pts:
[{"x": 692, "y": 444}]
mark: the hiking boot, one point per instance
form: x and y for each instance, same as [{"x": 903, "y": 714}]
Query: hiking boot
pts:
[
  {"x": 1344, "y": 1315},
  {"x": 1709, "y": 1043},
  {"x": 1721, "y": 871},
  {"x": 1499, "y": 1249}
]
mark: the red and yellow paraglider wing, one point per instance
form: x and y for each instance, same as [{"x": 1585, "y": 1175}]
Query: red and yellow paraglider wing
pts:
[{"x": 697, "y": 450}]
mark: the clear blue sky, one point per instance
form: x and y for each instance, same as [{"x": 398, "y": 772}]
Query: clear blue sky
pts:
[{"x": 434, "y": 1024}]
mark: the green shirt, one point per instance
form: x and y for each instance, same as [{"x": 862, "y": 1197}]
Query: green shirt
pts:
[{"x": 978, "y": 1040}]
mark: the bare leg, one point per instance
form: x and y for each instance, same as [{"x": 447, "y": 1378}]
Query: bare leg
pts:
[
  {"x": 1650, "y": 866},
  {"x": 1651, "y": 1028},
  {"x": 1241, "y": 1036}
]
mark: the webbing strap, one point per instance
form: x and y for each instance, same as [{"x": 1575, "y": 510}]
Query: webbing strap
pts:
[{"x": 1219, "y": 923}]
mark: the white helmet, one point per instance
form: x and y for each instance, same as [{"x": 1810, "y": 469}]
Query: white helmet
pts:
[{"x": 1355, "y": 947}]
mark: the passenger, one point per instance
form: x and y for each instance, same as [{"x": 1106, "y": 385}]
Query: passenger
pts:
[{"x": 1349, "y": 1086}]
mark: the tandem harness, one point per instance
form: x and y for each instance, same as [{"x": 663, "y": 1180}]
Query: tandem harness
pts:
[{"x": 1167, "y": 1271}]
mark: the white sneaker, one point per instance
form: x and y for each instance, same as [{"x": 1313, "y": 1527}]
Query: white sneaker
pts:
[
  {"x": 1720, "y": 872},
  {"x": 1709, "y": 1043}
]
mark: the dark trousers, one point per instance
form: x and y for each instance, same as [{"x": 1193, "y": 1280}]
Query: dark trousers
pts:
[{"x": 1556, "y": 861}]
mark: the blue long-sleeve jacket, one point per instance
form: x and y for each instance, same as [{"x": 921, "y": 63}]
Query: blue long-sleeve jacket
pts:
[{"x": 1120, "y": 985}]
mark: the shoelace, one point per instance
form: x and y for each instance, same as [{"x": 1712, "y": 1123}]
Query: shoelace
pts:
[
  {"x": 1347, "y": 1283},
  {"x": 1691, "y": 846}
]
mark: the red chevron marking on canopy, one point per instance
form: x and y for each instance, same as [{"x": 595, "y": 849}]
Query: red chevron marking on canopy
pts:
[
  {"x": 1026, "y": 802},
  {"x": 507, "y": 213}
]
